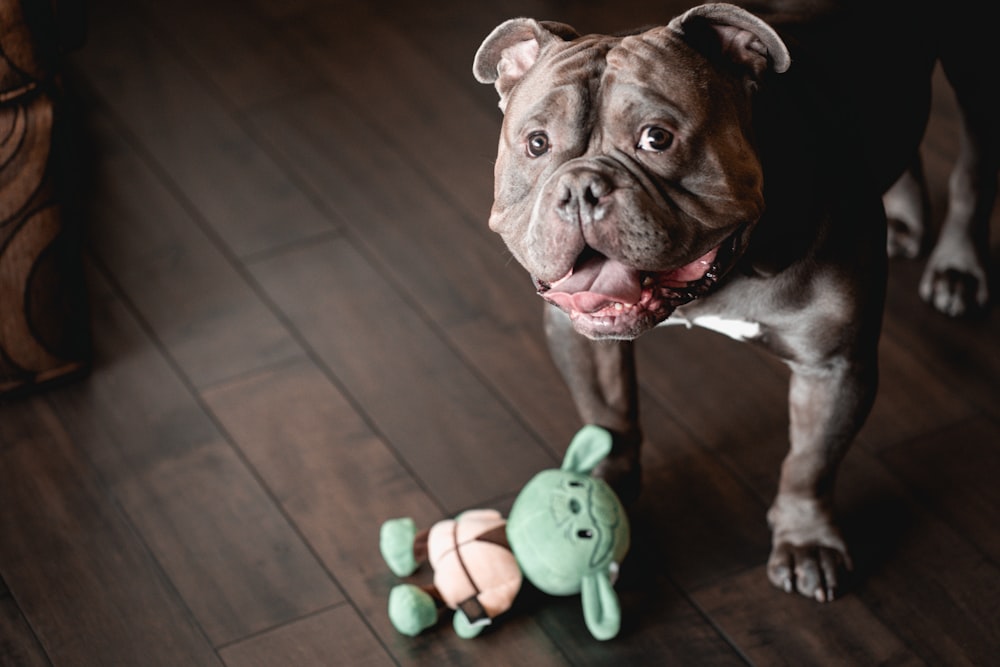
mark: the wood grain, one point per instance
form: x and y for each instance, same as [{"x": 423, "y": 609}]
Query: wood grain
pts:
[
  {"x": 334, "y": 637},
  {"x": 81, "y": 576},
  {"x": 189, "y": 134},
  {"x": 403, "y": 374},
  {"x": 181, "y": 282},
  {"x": 228, "y": 550},
  {"x": 18, "y": 645}
]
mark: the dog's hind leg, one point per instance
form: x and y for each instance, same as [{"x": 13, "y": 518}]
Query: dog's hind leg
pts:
[
  {"x": 907, "y": 209},
  {"x": 955, "y": 280}
]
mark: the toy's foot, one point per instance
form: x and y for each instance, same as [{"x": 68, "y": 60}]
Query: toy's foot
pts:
[
  {"x": 411, "y": 610},
  {"x": 396, "y": 544}
]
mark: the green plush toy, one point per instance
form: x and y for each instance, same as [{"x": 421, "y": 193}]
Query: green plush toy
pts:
[{"x": 567, "y": 532}]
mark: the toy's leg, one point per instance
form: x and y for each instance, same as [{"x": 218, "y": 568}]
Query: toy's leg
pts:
[
  {"x": 470, "y": 618},
  {"x": 412, "y": 609},
  {"x": 402, "y": 547}
]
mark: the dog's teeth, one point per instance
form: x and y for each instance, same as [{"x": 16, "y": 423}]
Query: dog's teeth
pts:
[
  {"x": 619, "y": 306},
  {"x": 647, "y": 281}
]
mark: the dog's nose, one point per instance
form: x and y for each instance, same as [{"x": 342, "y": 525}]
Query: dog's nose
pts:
[{"x": 583, "y": 193}]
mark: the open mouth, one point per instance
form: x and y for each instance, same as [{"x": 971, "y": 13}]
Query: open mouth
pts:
[{"x": 606, "y": 299}]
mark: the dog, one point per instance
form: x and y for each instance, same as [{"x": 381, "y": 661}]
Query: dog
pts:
[{"x": 728, "y": 171}]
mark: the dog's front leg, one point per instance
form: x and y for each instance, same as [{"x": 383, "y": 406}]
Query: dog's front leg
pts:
[
  {"x": 828, "y": 404},
  {"x": 601, "y": 377}
]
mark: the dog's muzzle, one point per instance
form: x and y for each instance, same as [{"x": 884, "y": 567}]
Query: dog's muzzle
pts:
[{"x": 607, "y": 299}]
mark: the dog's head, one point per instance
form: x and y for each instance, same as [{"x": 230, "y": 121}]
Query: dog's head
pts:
[{"x": 627, "y": 182}]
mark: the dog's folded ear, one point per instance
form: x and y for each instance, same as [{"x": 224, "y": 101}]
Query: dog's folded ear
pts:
[
  {"x": 734, "y": 34},
  {"x": 512, "y": 48}
]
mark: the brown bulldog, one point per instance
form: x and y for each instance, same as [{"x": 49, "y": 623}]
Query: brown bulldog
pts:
[{"x": 705, "y": 173}]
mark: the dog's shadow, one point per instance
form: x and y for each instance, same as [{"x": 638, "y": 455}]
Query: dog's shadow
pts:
[{"x": 876, "y": 524}]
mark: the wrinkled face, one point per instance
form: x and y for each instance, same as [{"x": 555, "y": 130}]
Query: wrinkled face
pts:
[{"x": 626, "y": 181}]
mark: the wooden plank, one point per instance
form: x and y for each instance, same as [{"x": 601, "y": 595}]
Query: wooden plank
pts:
[
  {"x": 236, "y": 188},
  {"x": 18, "y": 645},
  {"x": 84, "y": 580},
  {"x": 335, "y": 637},
  {"x": 919, "y": 595},
  {"x": 229, "y": 551},
  {"x": 906, "y": 387},
  {"x": 922, "y": 579},
  {"x": 773, "y": 628},
  {"x": 961, "y": 354},
  {"x": 461, "y": 278},
  {"x": 454, "y": 433},
  {"x": 515, "y": 360},
  {"x": 415, "y": 232},
  {"x": 659, "y": 628},
  {"x": 237, "y": 48},
  {"x": 697, "y": 519},
  {"x": 407, "y": 98},
  {"x": 448, "y": 33},
  {"x": 197, "y": 303},
  {"x": 954, "y": 472},
  {"x": 339, "y": 482}
]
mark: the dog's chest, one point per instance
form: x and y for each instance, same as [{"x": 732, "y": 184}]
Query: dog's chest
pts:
[{"x": 737, "y": 329}]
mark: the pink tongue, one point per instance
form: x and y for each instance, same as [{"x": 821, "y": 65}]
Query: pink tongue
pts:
[{"x": 597, "y": 283}]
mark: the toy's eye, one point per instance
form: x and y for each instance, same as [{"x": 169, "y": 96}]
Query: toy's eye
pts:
[
  {"x": 585, "y": 534},
  {"x": 575, "y": 484},
  {"x": 655, "y": 139},
  {"x": 538, "y": 144}
]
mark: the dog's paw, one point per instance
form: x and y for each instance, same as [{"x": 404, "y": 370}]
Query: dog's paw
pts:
[
  {"x": 813, "y": 570},
  {"x": 808, "y": 554},
  {"x": 904, "y": 239},
  {"x": 955, "y": 281}
]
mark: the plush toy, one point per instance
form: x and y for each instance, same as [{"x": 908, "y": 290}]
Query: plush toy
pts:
[{"x": 566, "y": 533}]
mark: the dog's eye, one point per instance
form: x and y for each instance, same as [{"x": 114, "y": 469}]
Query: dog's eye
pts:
[
  {"x": 655, "y": 139},
  {"x": 538, "y": 144}
]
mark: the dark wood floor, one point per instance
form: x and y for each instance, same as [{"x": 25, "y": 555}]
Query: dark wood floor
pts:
[{"x": 303, "y": 327}]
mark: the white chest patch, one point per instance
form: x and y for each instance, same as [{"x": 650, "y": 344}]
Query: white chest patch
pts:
[{"x": 737, "y": 329}]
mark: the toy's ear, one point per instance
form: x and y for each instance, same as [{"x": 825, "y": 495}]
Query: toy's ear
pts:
[
  {"x": 589, "y": 447},
  {"x": 601, "y": 611}
]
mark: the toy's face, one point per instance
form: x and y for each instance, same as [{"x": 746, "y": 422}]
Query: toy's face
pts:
[{"x": 566, "y": 525}]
